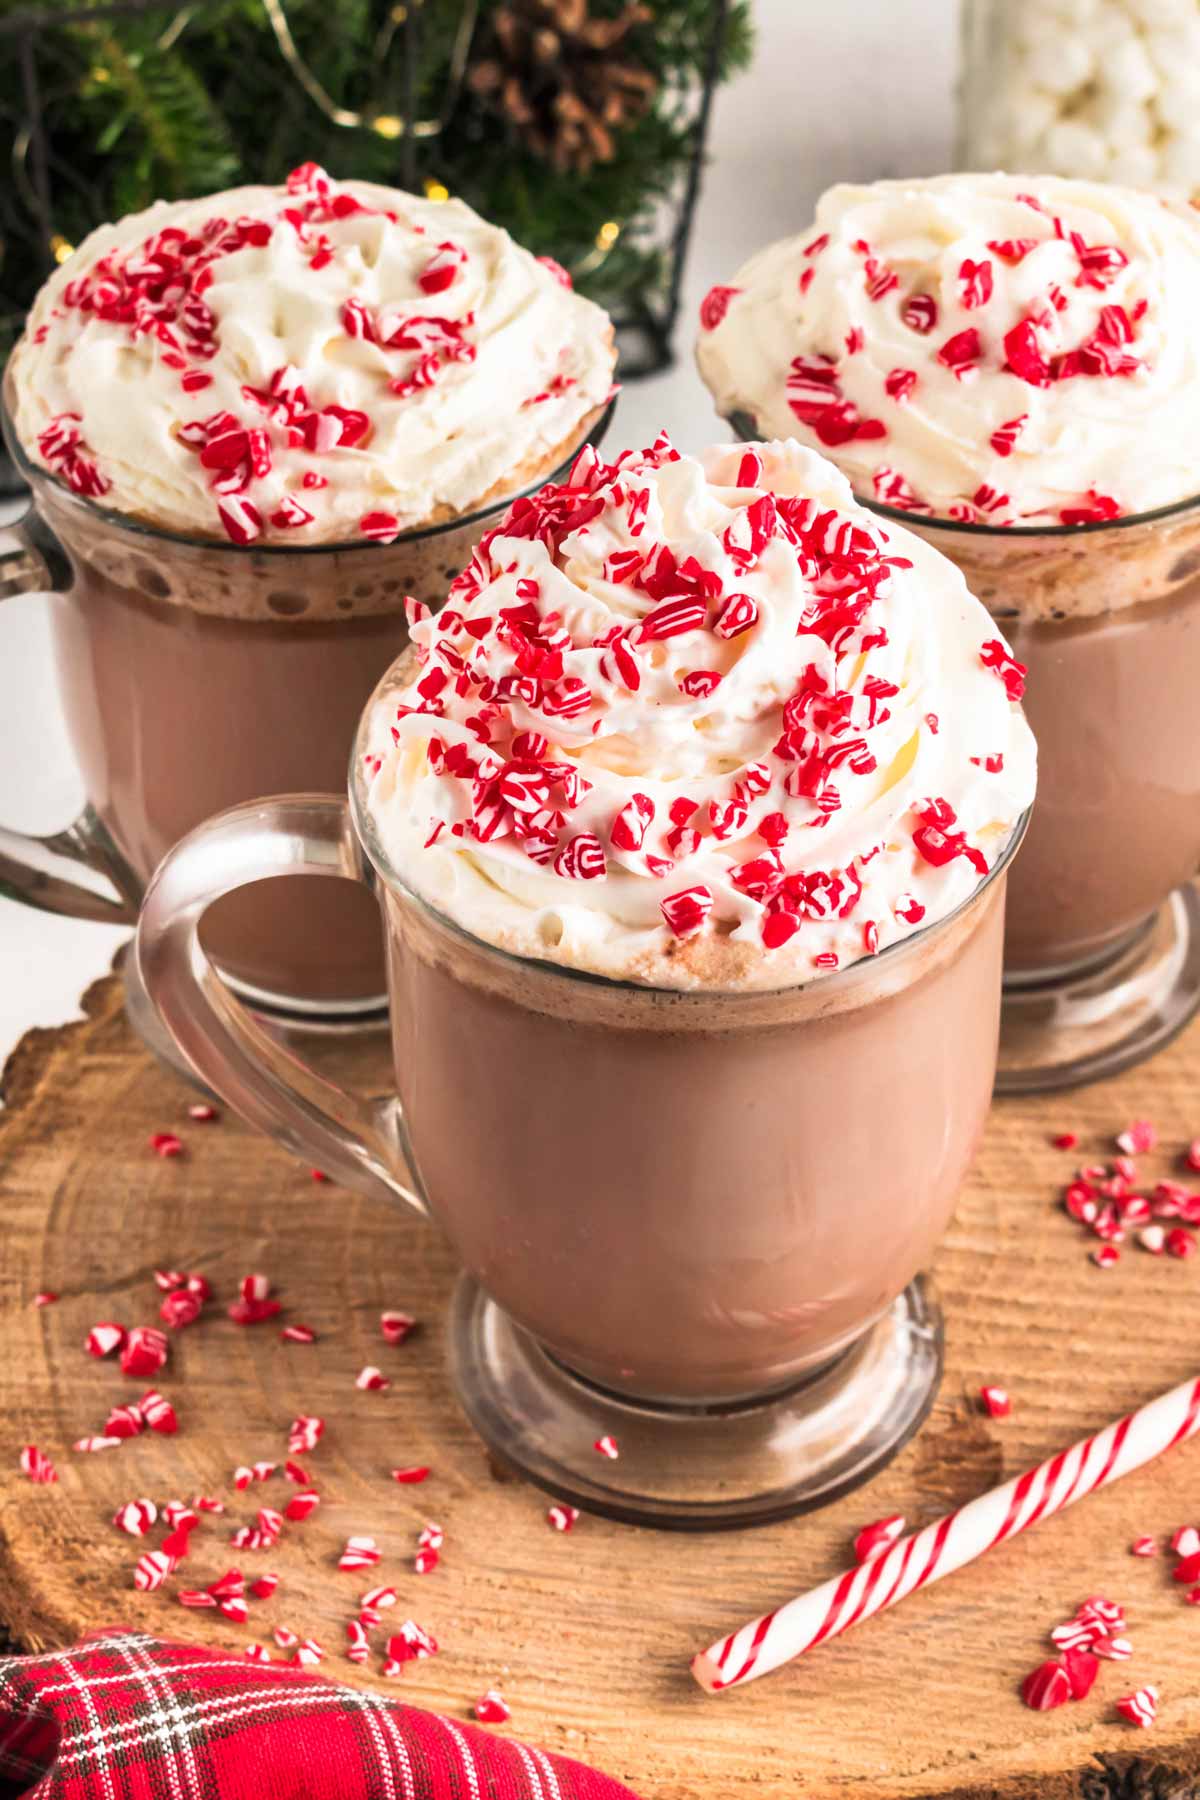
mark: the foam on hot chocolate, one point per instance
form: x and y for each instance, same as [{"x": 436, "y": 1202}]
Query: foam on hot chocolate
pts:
[
  {"x": 701, "y": 723},
  {"x": 997, "y": 349},
  {"x": 314, "y": 363}
]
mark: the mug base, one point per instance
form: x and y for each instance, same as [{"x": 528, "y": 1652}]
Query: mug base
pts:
[
  {"x": 697, "y": 1467},
  {"x": 295, "y": 1027},
  {"x": 1093, "y": 1021}
]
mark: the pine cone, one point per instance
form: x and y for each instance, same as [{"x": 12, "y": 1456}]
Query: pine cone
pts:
[{"x": 556, "y": 75}]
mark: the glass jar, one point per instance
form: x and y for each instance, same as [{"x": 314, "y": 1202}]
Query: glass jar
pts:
[{"x": 1105, "y": 90}]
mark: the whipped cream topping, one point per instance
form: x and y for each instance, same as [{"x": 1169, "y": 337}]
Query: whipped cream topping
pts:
[
  {"x": 700, "y": 723},
  {"x": 323, "y": 361},
  {"x": 993, "y": 348}
]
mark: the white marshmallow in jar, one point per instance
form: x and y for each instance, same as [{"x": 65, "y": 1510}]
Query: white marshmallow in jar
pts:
[{"x": 1105, "y": 90}]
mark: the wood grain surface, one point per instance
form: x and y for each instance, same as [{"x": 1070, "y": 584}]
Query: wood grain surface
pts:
[{"x": 589, "y": 1634}]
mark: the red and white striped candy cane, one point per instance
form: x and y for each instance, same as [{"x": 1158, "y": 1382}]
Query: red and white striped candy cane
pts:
[{"x": 960, "y": 1537}]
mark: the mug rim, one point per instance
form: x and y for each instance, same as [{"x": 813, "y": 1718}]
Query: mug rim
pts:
[
  {"x": 33, "y": 473},
  {"x": 748, "y": 432},
  {"x": 834, "y": 982}
]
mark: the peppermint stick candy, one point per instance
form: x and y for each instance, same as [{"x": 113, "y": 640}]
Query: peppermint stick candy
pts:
[{"x": 960, "y": 1537}]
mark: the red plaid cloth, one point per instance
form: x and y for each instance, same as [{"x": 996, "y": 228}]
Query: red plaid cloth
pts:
[{"x": 125, "y": 1717}]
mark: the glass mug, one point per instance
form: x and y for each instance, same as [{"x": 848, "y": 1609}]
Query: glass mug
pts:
[
  {"x": 693, "y": 1221},
  {"x": 1102, "y": 945},
  {"x": 196, "y": 673}
]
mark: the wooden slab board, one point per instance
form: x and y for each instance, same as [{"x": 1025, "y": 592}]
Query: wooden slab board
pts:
[{"x": 589, "y": 1634}]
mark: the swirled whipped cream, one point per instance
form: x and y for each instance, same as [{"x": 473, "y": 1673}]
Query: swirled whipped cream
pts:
[
  {"x": 701, "y": 723},
  {"x": 318, "y": 362},
  {"x": 994, "y": 348}
]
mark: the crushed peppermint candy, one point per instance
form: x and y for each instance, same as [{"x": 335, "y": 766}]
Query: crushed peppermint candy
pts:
[
  {"x": 282, "y": 434},
  {"x": 1140, "y": 1707},
  {"x": 575, "y": 637},
  {"x": 1055, "y": 323},
  {"x": 35, "y": 1464},
  {"x": 879, "y": 1536},
  {"x": 359, "y": 1553}
]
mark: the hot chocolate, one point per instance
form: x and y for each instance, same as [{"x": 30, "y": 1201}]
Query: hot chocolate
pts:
[
  {"x": 690, "y": 813},
  {"x": 255, "y": 423},
  {"x": 690, "y": 727}
]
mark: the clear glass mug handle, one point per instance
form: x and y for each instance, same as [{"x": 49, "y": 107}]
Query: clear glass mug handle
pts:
[
  {"x": 356, "y": 1142},
  {"x": 37, "y": 870}
]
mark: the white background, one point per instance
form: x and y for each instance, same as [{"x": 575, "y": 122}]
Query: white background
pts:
[{"x": 850, "y": 90}]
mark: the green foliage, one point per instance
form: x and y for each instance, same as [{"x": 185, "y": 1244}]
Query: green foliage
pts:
[{"x": 188, "y": 98}]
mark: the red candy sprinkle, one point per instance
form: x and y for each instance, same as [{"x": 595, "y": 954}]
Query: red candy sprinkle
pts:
[
  {"x": 1144, "y": 1546},
  {"x": 995, "y": 1401},
  {"x": 562, "y": 1517},
  {"x": 359, "y": 1553},
  {"x": 152, "y": 1569},
  {"x": 1137, "y": 1138},
  {"x": 976, "y": 282},
  {"x": 180, "y": 1308},
  {"x": 996, "y": 656},
  {"x": 877, "y": 1537},
  {"x": 607, "y": 1446},
  {"x": 144, "y": 1352},
  {"x": 409, "y": 1477},
  {"x": 715, "y": 305},
  {"x": 254, "y": 1311},
  {"x": 37, "y": 1466},
  {"x": 396, "y": 1326},
  {"x": 371, "y": 1379},
  {"x": 491, "y": 1708},
  {"x": 381, "y": 527},
  {"x": 1046, "y": 1687},
  {"x": 136, "y": 1517},
  {"x": 1082, "y": 1670},
  {"x": 920, "y": 313},
  {"x": 686, "y": 911},
  {"x": 1003, "y": 439},
  {"x": 158, "y": 1413},
  {"x": 1141, "y": 1707},
  {"x": 962, "y": 352},
  {"x": 102, "y": 1340},
  {"x": 412, "y": 1643},
  {"x": 1065, "y": 1140},
  {"x": 304, "y": 1434}
]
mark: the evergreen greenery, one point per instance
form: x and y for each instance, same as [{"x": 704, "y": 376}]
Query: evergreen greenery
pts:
[{"x": 187, "y": 98}]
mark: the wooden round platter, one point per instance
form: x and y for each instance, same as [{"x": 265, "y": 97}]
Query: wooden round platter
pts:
[{"x": 589, "y": 1633}]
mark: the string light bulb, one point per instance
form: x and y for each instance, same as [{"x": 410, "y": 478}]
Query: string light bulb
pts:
[
  {"x": 436, "y": 190},
  {"x": 607, "y": 235},
  {"x": 60, "y": 249}
]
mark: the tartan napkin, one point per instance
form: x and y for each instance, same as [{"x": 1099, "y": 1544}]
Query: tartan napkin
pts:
[{"x": 127, "y": 1717}]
